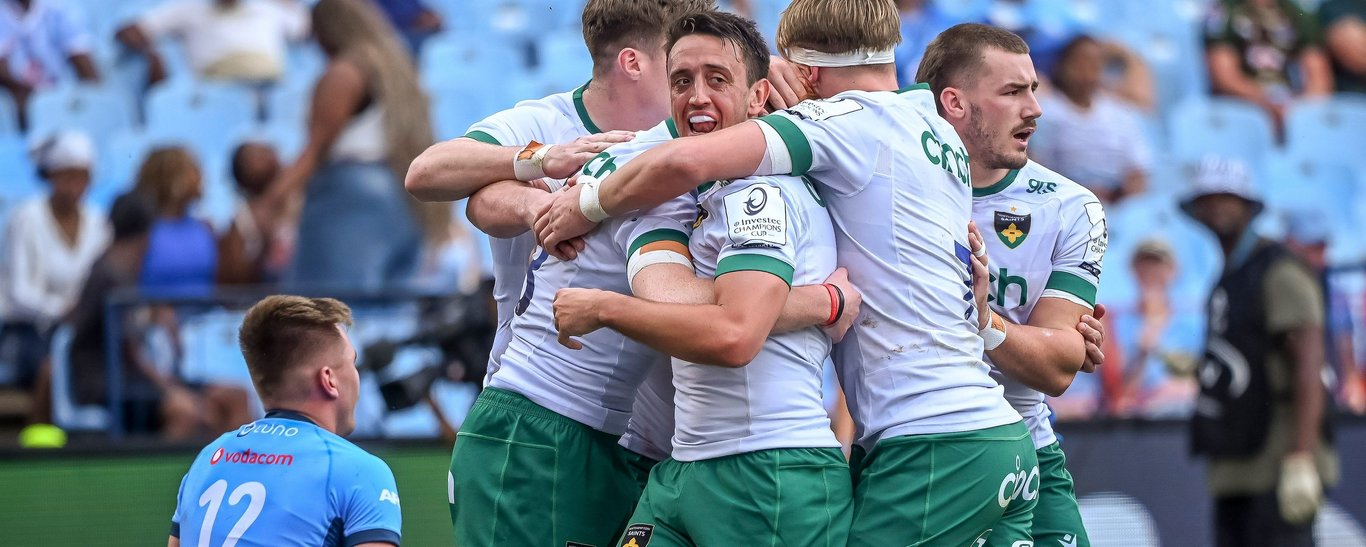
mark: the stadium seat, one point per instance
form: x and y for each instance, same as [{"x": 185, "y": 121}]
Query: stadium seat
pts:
[
  {"x": 21, "y": 181},
  {"x": 288, "y": 105},
  {"x": 9, "y": 115},
  {"x": 1227, "y": 127},
  {"x": 1330, "y": 188},
  {"x": 454, "y": 109},
  {"x": 99, "y": 111},
  {"x": 453, "y": 59},
  {"x": 198, "y": 106},
  {"x": 66, "y": 414},
  {"x": 1333, "y": 128},
  {"x": 563, "y": 60}
]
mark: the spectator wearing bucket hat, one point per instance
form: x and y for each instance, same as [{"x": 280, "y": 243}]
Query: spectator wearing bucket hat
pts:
[
  {"x": 1259, "y": 417},
  {"x": 49, "y": 243}
]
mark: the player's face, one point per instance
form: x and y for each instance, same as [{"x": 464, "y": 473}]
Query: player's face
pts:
[
  {"x": 348, "y": 384},
  {"x": 1002, "y": 110},
  {"x": 654, "y": 73},
  {"x": 708, "y": 86},
  {"x": 1226, "y": 215}
]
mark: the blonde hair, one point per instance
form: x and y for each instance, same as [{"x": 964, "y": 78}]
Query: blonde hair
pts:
[
  {"x": 839, "y": 26},
  {"x": 357, "y": 31},
  {"x": 281, "y": 332},
  {"x": 166, "y": 179}
]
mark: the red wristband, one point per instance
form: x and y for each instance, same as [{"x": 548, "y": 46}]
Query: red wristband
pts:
[{"x": 835, "y": 304}]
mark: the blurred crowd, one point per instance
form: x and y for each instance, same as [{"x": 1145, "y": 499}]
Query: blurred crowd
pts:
[{"x": 341, "y": 99}]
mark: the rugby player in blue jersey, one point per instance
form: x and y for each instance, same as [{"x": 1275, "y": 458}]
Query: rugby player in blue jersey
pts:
[{"x": 290, "y": 478}]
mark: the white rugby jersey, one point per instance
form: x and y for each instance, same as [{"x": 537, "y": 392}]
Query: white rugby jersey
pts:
[
  {"x": 1046, "y": 238},
  {"x": 558, "y": 118},
  {"x": 595, "y": 385},
  {"x": 777, "y": 225},
  {"x": 651, "y": 429},
  {"x": 895, "y": 177}
]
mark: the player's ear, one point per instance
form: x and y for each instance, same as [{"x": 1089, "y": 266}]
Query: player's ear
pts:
[
  {"x": 629, "y": 61},
  {"x": 953, "y": 103},
  {"x": 812, "y": 75},
  {"x": 328, "y": 381},
  {"x": 758, "y": 97}
]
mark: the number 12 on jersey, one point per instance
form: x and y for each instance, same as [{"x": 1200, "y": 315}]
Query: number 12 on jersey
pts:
[{"x": 213, "y": 497}]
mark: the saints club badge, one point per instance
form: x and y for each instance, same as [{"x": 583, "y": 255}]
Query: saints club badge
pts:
[{"x": 1012, "y": 228}]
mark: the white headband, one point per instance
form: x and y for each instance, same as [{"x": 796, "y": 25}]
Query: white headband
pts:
[{"x": 810, "y": 57}]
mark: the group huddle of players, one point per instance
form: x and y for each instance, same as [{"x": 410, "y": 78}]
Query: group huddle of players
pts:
[{"x": 669, "y": 291}]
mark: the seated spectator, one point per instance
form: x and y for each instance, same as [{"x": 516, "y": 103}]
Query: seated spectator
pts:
[
  {"x": 414, "y": 20},
  {"x": 253, "y": 250},
  {"x": 359, "y": 229},
  {"x": 1158, "y": 382},
  {"x": 38, "y": 40},
  {"x": 49, "y": 244},
  {"x": 1344, "y": 27},
  {"x": 1307, "y": 235},
  {"x": 182, "y": 255},
  {"x": 1089, "y": 134},
  {"x": 242, "y": 40},
  {"x": 154, "y": 399},
  {"x": 921, "y": 21},
  {"x": 1267, "y": 52}
]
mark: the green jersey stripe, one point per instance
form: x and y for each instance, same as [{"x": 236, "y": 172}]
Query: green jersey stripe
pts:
[
  {"x": 483, "y": 137},
  {"x": 1074, "y": 285},
  {"x": 755, "y": 263},
  {"x": 797, "y": 146},
  {"x": 661, "y": 234}
]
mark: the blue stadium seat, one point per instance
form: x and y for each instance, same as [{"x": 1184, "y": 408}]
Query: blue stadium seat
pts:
[
  {"x": 451, "y": 59},
  {"x": 1227, "y": 127},
  {"x": 1324, "y": 184},
  {"x": 564, "y": 60},
  {"x": 1331, "y": 129},
  {"x": 1174, "y": 54},
  {"x": 454, "y": 109},
  {"x": 66, "y": 414},
  {"x": 20, "y": 179},
  {"x": 9, "y": 115},
  {"x": 288, "y": 105},
  {"x": 99, "y": 111},
  {"x": 202, "y": 115}
]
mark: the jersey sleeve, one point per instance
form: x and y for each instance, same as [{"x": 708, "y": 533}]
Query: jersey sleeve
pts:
[
  {"x": 820, "y": 138},
  {"x": 1294, "y": 299},
  {"x": 512, "y": 127},
  {"x": 176, "y": 517},
  {"x": 668, "y": 224},
  {"x": 1078, "y": 258},
  {"x": 370, "y": 505},
  {"x": 758, "y": 224}
]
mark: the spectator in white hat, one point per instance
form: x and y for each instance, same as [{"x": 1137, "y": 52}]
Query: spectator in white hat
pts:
[
  {"x": 49, "y": 243},
  {"x": 1259, "y": 417}
]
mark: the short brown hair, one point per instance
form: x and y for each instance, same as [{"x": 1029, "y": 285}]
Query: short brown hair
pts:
[
  {"x": 954, "y": 58},
  {"x": 729, "y": 28},
  {"x": 839, "y": 26},
  {"x": 280, "y": 332},
  {"x": 610, "y": 25}
]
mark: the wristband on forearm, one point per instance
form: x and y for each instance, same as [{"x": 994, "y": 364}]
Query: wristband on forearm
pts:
[
  {"x": 836, "y": 304},
  {"x": 588, "y": 200},
  {"x": 995, "y": 332},
  {"x": 529, "y": 163}
]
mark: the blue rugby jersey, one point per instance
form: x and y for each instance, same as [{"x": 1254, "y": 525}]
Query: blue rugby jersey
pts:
[{"x": 282, "y": 480}]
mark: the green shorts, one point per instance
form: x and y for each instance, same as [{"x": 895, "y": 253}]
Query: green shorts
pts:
[
  {"x": 1057, "y": 519},
  {"x": 946, "y": 489},
  {"x": 524, "y": 475},
  {"x": 788, "y": 496},
  {"x": 640, "y": 467}
]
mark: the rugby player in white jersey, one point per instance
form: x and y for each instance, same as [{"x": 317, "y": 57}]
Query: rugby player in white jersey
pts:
[
  {"x": 942, "y": 458},
  {"x": 1046, "y": 240},
  {"x": 541, "y": 403},
  {"x": 753, "y": 446}
]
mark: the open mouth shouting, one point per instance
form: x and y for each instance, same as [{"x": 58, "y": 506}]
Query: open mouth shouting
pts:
[{"x": 702, "y": 122}]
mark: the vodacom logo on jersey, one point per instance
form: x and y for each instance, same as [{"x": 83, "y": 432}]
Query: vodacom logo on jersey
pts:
[
  {"x": 249, "y": 457},
  {"x": 1023, "y": 483}
]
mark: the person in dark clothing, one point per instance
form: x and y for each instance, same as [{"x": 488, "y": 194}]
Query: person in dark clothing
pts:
[
  {"x": 153, "y": 400},
  {"x": 1259, "y": 417}
]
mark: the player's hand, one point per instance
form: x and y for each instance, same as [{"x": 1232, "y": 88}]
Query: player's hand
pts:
[
  {"x": 981, "y": 276},
  {"x": 560, "y": 223},
  {"x": 576, "y": 314},
  {"x": 853, "y": 301},
  {"x": 1093, "y": 332},
  {"x": 566, "y": 159},
  {"x": 788, "y": 85}
]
